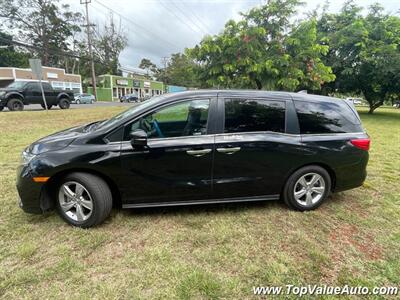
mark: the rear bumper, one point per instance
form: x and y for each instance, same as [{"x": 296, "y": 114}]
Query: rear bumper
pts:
[{"x": 351, "y": 176}]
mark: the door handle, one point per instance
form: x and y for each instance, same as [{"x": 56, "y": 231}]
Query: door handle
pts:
[
  {"x": 198, "y": 153},
  {"x": 228, "y": 151}
]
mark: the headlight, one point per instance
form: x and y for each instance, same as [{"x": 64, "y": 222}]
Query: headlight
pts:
[{"x": 26, "y": 157}]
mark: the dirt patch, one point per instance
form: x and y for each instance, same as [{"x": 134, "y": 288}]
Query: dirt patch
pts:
[
  {"x": 347, "y": 241},
  {"x": 349, "y": 235}
]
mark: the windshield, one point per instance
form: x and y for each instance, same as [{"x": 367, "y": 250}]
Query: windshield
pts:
[
  {"x": 130, "y": 112},
  {"x": 16, "y": 85}
]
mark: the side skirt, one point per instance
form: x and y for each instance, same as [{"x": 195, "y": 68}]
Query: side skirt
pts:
[{"x": 208, "y": 201}]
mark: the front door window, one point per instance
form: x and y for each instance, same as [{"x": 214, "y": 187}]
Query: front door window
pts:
[{"x": 188, "y": 118}]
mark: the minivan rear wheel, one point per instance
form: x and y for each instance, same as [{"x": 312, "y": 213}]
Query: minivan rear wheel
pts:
[
  {"x": 307, "y": 188},
  {"x": 84, "y": 200}
]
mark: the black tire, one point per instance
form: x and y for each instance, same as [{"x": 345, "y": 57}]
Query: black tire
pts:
[
  {"x": 49, "y": 106},
  {"x": 78, "y": 101},
  {"x": 64, "y": 103},
  {"x": 15, "y": 104},
  {"x": 98, "y": 191},
  {"x": 1, "y": 108},
  {"x": 292, "y": 186}
]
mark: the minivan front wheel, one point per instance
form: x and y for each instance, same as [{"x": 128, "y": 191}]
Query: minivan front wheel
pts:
[
  {"x": 307, "y": 188},
  {"x": 84, "y": 200}
]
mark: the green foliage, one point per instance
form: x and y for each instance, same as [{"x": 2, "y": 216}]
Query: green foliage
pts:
[
  {"x": 43, "y": 23},
  {"x": 181, "y": 70},
  {"x": 364, "y": 52},
  {"x": 264, "y": 50},
  {"x": 148, "y": 65},
  {"x": 10, "y": 57},
  {"x": 204, "y": 252}
]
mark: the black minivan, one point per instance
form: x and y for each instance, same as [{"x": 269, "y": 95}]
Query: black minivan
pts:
[{"x": 198, "y": 147}]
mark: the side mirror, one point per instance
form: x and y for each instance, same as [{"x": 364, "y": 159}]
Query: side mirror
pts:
[{"x": 138, "y": 138}]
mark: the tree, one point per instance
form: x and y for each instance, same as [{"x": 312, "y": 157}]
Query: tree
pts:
[
  {"x": 42, "y": 23},
  {"x": 364, "y": 52},
  {"x": 264, "y": 50},
  {"x": 10, "y": 57},
  {"x": 180, "y": 70},
  {"x": 108, "y": 43},
  {"x": 149, "y": 66}
]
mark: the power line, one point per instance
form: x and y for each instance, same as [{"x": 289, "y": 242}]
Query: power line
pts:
[
  {"x": 197, "y": 18},
  {"x": 179, "y": 18},
  {"x": 190, "y": 20},
  {"x": 137, "y": 25},
  {"x": 103, "y": 10},
  {"x": 59, "y": 53}
]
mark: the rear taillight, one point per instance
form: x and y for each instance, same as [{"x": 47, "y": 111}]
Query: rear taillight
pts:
[{"x": 362, "y": 144}]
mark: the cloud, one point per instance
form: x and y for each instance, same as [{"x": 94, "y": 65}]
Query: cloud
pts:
[{"x": 157, "y": 28}]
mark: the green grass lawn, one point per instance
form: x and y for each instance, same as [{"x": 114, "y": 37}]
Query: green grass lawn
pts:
[{"x": 200, "y": 252}]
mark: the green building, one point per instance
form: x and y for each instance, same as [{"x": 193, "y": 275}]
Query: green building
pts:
[{"x": 112, "y": 87}]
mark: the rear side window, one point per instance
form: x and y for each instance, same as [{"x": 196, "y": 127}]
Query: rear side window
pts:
[
  {"x": 326, "y": 117},
  {"x": 33, "y": 87},
  {"x": 47, "y": 87},
  {"x": 249, "y": 115}
]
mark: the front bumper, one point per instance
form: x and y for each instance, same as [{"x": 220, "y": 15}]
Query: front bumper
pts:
[{"x": 30, "y": 193}]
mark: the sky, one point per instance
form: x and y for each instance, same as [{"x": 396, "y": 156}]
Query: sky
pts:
[{"x": 157, "y": 28}]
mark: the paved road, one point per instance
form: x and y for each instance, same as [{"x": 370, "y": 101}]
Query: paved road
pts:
[{"x": 37, "y": 107}]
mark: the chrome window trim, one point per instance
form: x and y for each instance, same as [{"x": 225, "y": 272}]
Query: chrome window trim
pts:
[
  {"x": 169, "y": 138},
  {"x": 248, "y": 133}
]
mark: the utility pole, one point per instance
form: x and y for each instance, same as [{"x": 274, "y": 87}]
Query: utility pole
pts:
[{"x": 86, "y": 2}]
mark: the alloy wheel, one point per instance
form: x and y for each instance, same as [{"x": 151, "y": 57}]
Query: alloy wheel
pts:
[
  {"x": 75, "y": 201},
  {"x": 309, "y": 189}
]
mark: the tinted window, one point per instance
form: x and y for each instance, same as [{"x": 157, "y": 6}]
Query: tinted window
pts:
[
  {"x": 17, "y": 85},
  {"x": 326, "y": 117},
  {"x": 182, "y": 119},
  {"x": 246, "y": 115},
  {"x": 47, "y": 87},
  {"x": 34, "y": 87}
]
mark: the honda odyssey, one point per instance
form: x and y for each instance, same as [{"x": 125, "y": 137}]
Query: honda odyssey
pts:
[{"x": 198, "y": 147}]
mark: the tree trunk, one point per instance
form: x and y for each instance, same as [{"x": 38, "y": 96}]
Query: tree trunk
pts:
[
  {"x": 258, "y": 83},
  {"x": 373, "y": 106}
]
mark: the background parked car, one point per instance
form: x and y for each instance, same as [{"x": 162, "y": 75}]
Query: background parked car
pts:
[
  {"x": 20, "y": 93},
  {"x": 129, "y": 98},
  {"x": 356, "y": 101},
  {"x": 84, "y": 99}
]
